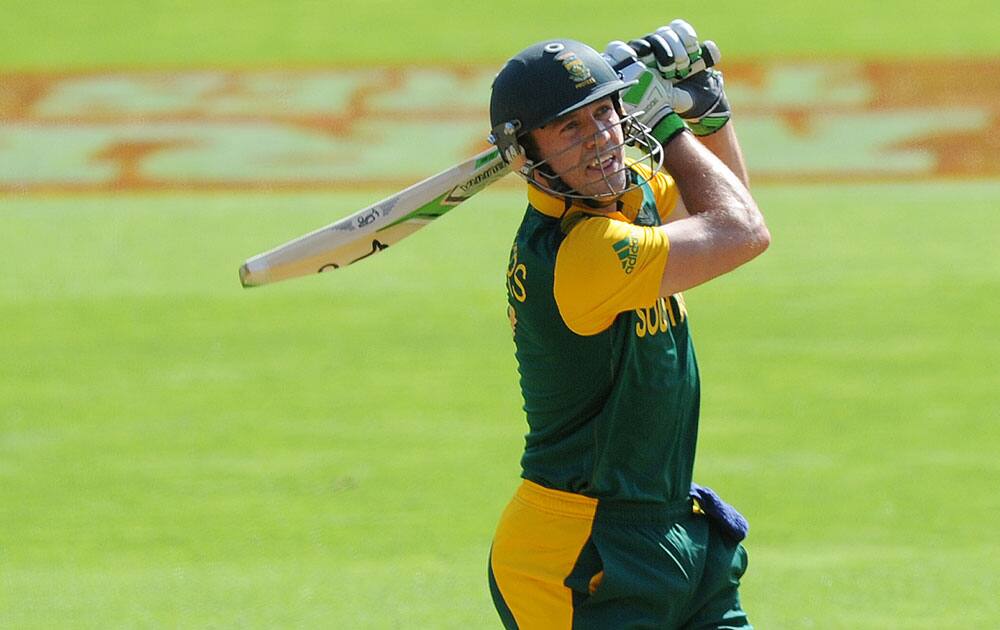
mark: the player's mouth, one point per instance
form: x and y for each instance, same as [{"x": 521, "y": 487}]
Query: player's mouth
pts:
[{"x": 604, "y": 165}]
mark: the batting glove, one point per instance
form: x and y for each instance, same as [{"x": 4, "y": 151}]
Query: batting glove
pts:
[
  {"x": 651, "y": 100},
  {"x": 698, "y": 97}
]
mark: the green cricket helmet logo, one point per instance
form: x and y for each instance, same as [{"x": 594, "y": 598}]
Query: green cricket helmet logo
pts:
[{"x": 578, "y": 71}]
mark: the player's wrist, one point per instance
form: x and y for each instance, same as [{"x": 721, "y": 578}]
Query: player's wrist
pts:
[{"x": 668, "y": 128}]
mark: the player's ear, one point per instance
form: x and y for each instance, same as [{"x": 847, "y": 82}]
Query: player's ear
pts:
[{"x": 530, "y": 146}]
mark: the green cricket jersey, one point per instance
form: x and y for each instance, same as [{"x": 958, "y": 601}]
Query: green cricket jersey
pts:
[{"x": 608, "y": 371}]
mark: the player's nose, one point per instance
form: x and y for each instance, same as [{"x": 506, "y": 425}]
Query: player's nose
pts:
[{"x": 600, "y": 134}]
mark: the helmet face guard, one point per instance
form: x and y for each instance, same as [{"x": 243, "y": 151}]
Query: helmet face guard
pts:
[
  {"x": 547, "y": 81},
  {"x": 541, "y": 175}
]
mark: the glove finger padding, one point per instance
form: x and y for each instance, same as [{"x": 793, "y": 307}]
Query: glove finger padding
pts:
[
  {"x": 619, "y": 54},
  {"x": 660, "y": 55},
  {"x": 688, "y": 37},
  {"x": 677, "y": 50},
  {"x": 642, "y": 50}
]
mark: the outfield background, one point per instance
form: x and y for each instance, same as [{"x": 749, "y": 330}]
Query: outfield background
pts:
[{"x": 334, "y": 452}]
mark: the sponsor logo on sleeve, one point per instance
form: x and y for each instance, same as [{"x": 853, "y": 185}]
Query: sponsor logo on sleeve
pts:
[{"x": 627, "y": 250}]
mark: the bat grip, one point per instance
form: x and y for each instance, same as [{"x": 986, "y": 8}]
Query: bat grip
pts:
[{"x": 710, "y": 55}]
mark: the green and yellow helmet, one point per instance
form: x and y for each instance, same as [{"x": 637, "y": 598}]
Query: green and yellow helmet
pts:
[{"x": 546, "y": 81}]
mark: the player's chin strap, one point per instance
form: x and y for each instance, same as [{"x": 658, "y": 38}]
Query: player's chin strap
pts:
[{"x": 636, "y": 135}]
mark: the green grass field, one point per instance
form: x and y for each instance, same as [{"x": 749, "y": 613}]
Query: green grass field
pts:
[
  {"x": 168, "y": 33},
  {"x": 176, "y": 451}
]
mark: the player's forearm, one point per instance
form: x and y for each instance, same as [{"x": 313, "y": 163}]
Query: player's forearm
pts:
[
  {"x": 707, "y": 184},
  {"x": 725, "y": 145},
  {"x": 725, "y": 229}
]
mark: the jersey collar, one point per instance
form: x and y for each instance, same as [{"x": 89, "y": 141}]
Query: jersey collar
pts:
[{"x": 627, "y": 206}]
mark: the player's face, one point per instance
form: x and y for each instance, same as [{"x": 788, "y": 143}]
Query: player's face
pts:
[{"x": 586, "y": 149}]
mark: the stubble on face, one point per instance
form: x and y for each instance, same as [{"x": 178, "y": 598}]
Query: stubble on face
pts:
[{"x": 585, "y": 148}]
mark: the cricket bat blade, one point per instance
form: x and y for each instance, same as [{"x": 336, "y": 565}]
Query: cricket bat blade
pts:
[{"x": 376, "y": 227}]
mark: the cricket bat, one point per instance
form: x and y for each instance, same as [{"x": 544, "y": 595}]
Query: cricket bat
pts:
[{"x": 372, "y": 229}]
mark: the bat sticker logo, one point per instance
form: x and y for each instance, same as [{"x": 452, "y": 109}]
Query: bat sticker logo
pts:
[
  {"x": 377, "y": 246},
  {"x": 470, "y": 187},
  {"x": 365, "y": 219}
]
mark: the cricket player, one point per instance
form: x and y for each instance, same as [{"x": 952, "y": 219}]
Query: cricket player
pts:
[{"x": 606, "y": 530}]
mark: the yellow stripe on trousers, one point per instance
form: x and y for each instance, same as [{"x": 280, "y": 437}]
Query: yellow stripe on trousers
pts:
[{"x": 538, "y": 541}]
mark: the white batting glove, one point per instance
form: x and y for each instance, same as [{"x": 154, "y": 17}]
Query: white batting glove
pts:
[
  {"x": 672, "y": 52},
  {"x": 653, "y": 99}
]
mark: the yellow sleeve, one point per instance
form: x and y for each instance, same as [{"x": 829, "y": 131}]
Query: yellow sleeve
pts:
[
  {"x": 666, "y": 193},
  {"x": 664, "y": 190},
  {"x": 605, "y": 267}
]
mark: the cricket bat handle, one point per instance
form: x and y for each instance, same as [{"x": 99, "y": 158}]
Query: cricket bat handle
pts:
[{"x": 710, "y": 55}]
